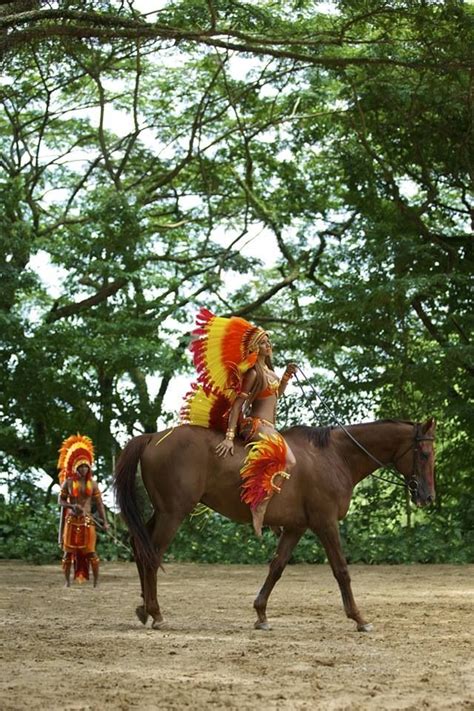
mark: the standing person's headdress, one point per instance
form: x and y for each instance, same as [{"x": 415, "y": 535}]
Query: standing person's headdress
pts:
[
  {"x": 76, "y": 450},
  {"x": 223, "y": 350}
]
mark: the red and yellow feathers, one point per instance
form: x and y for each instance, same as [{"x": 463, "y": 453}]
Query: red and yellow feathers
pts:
[
  {"x": 76, "y": 450},
  {"x": 222, "y": 350},
  {"x": 207, "y": 409},
  {"x": 266, "y": 459}
]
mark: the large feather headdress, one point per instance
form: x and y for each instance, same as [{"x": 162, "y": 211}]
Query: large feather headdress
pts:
[
  {"x": 223, "y": 350},
  {"x": 76, "y": 450}
]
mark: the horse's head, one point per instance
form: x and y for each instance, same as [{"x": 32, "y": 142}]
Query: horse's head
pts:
[{"x": 416, "y": 462}]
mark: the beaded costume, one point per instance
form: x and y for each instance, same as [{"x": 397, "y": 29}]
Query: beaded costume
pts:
[{"x": 77, "y": 531}]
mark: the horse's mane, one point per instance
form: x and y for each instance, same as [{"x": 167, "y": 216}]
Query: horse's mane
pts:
[
  {"x": 320, "y": 436},
  {"x": 382, "y": 422}
]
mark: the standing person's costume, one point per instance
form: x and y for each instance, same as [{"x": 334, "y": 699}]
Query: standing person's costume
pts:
[
  {"x": 77, "y": 534},
  {"x": 237, "y": 391}
]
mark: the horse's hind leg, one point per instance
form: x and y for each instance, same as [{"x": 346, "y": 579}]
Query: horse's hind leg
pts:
[
  {"x": 329, "y": 537},
  {"x": 286, "y": 545},
  {"x": 165, "y": 526},
  {"x": 140, "y": 610}
]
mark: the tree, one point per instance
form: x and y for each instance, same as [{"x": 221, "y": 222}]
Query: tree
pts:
[
  {"x": 282, "y": 30},
  {"x": 130, "y": 145}
]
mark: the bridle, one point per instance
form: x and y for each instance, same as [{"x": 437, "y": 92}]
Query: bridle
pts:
[{"x": 419, "y": 436}]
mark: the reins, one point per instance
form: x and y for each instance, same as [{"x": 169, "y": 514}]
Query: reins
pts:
[
  {"x": 110, "y": 535},
  {"x": 412, "y": 485}
]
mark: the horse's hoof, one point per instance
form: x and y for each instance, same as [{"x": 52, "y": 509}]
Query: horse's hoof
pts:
[
  {"x": 158, "y": 624},
  {"x": 142, "y": 614},
  {"x": 262, "y": 626},
  {"x": 367, "y": 627}
]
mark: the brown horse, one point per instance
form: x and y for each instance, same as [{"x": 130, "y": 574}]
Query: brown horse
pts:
[{"x": 180, "y": 469}]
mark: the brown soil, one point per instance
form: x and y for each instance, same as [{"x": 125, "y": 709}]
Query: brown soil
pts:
[{"x": 84, "y": 649}]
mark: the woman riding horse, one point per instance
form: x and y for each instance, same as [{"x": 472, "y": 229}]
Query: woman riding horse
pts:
[{"x": 238, "y": 392}]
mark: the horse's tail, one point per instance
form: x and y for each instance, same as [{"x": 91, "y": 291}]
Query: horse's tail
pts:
[{"x": 126, "y": 496}]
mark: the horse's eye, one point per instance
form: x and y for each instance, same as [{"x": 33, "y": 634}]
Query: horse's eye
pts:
[{"x": 424, "y": 455}]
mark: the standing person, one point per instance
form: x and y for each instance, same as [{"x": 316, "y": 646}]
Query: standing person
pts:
[
  {"x": 77, "y": 535},
  {"x": 237, "y": 392}
]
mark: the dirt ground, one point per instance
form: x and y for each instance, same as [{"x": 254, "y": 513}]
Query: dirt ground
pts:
[{"x": 84, "y": 649}]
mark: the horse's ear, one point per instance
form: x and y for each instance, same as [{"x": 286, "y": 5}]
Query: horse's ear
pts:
[{"x": 429, "y": 425}]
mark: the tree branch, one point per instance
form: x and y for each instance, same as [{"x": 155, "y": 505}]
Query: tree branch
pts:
[
  {"x": 134, "y": 30},
  {"x": 268, "y": 218},
  {"x": 287, "y": 281},
  {"x": 103, "y": 294}
]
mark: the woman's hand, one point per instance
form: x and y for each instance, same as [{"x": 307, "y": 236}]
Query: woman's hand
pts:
[
  {"x": 291, "y": 369},
  {"x": 225, "y": 447}
]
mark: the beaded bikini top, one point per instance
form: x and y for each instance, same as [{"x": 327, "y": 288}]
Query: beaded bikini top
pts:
[{"x": 271, "y": 389}]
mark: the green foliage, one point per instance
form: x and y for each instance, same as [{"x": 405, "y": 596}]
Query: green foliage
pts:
[
  {"x": 28, "y": 527},
  {"x": 378, "y": 530}
]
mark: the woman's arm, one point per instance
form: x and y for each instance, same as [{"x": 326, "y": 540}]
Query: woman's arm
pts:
[
  {"x": 63, "y": 501},
  {"x": 227, "y": 445},
  {"x": 289, "y": 372}
]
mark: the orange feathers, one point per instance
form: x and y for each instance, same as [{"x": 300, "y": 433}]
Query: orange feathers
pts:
[
  {"x": 266, "y": 458},
  {"x": 75, "y": 450}
]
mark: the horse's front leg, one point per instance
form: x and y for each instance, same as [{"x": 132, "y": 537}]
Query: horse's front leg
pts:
[
  {"x": 329, "y": 537},
  {"x": 286, "y": 545}
]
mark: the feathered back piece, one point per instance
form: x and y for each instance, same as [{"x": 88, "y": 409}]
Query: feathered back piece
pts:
[
  {"x": 76, "y": 450},
  {"x": 223, "y": 350},
  {"x": 207, "y": 409}
]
